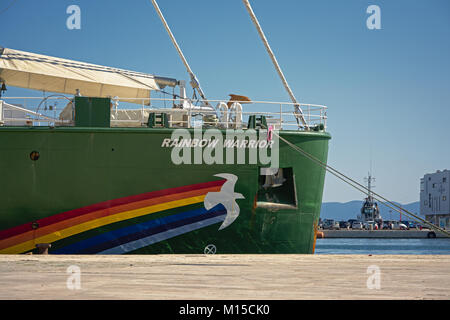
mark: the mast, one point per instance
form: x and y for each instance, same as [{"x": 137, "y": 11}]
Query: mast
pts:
[
  {"x": 194, "y": 81},
  {"x": 298, "y": 111},
  {"x": 369, "y": 180}
]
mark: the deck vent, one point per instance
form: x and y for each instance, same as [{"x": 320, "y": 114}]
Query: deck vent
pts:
[
  {"x": 257, "y": 122},
  {"x": 158, "y": 120}
]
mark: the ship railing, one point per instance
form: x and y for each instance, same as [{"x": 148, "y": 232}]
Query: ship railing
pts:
[
  {"x": 182, "y": 113},
  {"x": 279, "y": 115},
  {"x": 19, "y": 114}
]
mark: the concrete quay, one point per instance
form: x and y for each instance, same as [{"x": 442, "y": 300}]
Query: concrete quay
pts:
[{"x": 223, "y": 277}]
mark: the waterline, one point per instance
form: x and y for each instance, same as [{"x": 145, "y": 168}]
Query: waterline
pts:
[{"x": 383, "y": 246}]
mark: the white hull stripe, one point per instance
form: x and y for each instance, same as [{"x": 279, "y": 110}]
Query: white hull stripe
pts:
[{"x": 137, "y": 244}]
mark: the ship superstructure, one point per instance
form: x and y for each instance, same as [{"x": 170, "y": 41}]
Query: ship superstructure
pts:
[{"x": 370, "y": 211}]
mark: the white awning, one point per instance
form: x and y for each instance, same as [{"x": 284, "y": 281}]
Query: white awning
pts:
[{"x": 40, "y": 72}]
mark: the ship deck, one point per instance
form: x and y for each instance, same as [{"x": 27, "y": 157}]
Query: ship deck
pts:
[{"x": 225, "y": 277}]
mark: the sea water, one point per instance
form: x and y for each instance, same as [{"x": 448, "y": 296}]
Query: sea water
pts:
[{"x": 383, "y": 246}]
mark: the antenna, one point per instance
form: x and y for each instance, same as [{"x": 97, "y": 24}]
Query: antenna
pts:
[
  {"x": 298, "y": 113},
  {"x": 194, "y": 81},
  {"x": 369, "y": 179}
]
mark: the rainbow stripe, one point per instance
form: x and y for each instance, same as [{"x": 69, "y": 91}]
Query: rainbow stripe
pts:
[{"x": 23, "y": 238}]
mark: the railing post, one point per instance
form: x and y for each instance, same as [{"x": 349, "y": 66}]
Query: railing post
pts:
[
  {"x": 1, "y": 112},
  {"x": 189, "y": 117},
  {"x": 142, "y": 112},
  {"x": 320, "y": 116},
  {"x": 309, "y": 116},
  {"x": 227, "y": 118},
  {"x": 281, "y": 115}
]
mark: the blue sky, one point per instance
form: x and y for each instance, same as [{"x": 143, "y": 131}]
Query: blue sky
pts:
[{"x": 387, "y": 90}]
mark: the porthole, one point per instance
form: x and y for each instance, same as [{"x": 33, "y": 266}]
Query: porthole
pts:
[{"x": 34, "y": 155}]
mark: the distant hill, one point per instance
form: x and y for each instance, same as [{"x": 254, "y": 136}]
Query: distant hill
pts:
[{"x": 349, "y": 210}]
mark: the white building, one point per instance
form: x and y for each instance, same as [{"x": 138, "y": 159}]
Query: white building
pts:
[{"x": 435, "y": 198}]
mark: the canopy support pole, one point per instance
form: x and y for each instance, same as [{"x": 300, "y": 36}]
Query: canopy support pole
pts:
[{"x": 194, "y": 81}]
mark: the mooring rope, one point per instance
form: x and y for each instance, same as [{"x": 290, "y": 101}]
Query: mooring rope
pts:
[{"x": 361, "y": 188}]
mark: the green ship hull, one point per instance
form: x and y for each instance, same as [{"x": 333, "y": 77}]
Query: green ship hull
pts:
[{"x": 115, "y": 190}]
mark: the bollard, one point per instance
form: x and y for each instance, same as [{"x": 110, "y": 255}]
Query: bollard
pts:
[{"x": 43, "y": 247}]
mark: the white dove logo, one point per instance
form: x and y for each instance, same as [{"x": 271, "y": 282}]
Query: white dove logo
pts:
[{"x": 227, "y": 197}]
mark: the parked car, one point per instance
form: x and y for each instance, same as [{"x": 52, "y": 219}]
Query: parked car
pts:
[
  {"x": 350, "y": 221},
  {"x": 344, "y": 224},
  {"x": 399, "y": 226},
  {"x": 386, "y": 225},
  {"x": 331, "y": 224},
  {"x": 403, "y": 226},
  {"x": 390, "y": 224},
  {"x": 410, "y": 224},
  {"x": 367, "y": 225},
  {"x": 357, "y": 225},
  {"x": 320, "y": 224},
  {"x": 421, "y": 226},
  {"x": 326, "y": 224},
  {"x": 415, "y": 225}
]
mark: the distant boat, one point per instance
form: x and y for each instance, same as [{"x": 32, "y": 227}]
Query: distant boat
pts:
[{"x": 369, "y": 210}]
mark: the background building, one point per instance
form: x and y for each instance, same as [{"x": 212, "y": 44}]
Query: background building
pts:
[{"x": 435, "y": 198}]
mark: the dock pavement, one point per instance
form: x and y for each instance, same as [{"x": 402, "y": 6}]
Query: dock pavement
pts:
[{"x": 224, "y": 277}]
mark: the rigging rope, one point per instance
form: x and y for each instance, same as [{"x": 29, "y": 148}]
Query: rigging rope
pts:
[
  {"x": 360, "y": 187},
  {"x": 6, "y": 9}
]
